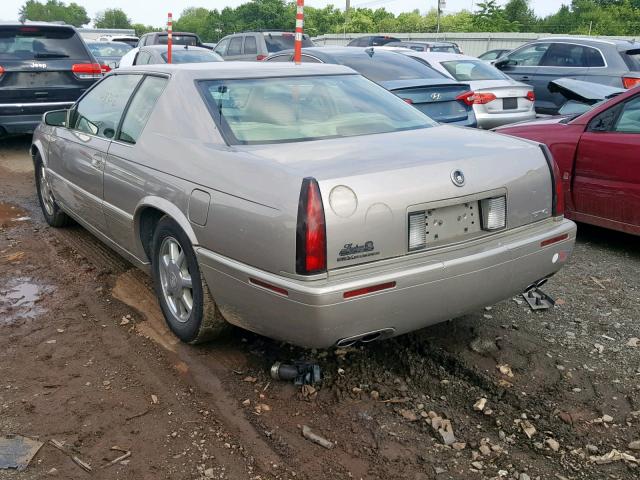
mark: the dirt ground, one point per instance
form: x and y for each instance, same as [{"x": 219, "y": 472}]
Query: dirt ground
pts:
[{"x": 85, "y": 359}]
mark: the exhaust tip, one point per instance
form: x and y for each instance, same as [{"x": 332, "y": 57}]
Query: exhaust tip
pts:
[{"x": 367, "y": 337}]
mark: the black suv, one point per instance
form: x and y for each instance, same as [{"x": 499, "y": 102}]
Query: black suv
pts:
[
  {"x": 177, "y": 38},
  {"x": 42, "y": 67}
]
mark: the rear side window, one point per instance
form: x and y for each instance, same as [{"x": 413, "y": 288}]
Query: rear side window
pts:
[
  {"x": 250, "y": 45},
  {"x": 570, "y": 55},
  {"x": 140, "y": 109},
  {"x": 221, "y": 48},
  {"x": 40, "y": 43},
  {"x": 632, "y": 59},
  {"x": 99, "y": 111},
  {"x": 284, "y": 41},
  {"x": 235, "y": 46}
]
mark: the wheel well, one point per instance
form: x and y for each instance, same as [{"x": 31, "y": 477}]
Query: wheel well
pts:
[{"x": 149, "y": 218}]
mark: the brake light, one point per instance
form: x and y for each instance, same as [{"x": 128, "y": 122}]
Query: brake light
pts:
[
  {"x": 261, "y": 57},
  {"x": 105, "y": 68},
  {"x": 483, "y": 98},
  {"x": 311, "y": 234},
  {"x": 87, "y": 71},
  {"x": 531, "y": 96},
  {"x": 630, "y": 82},
  {"x": 1, "y": 70},
  {"x": 556, "y": 185},
  {"x": 408, "y": 100},
  {"x": 467, "y": 98}
]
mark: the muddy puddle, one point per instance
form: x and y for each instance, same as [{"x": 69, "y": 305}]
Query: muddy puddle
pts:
[
  {"x": 20, "y": 299},
  {"x": 11, "y": 214}
]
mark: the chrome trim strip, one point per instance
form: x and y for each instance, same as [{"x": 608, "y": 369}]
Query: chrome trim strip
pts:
[{"x": 35, "y": 104}]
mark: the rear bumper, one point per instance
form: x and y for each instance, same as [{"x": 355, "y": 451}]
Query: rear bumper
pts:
[
  {"x": 430, "y": 287},
  {"x": 492, "y": 120},
  {"x": 25, "y": 117}
]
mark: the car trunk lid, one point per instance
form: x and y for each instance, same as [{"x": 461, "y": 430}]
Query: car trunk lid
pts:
[{"x": 508, "y": 98}]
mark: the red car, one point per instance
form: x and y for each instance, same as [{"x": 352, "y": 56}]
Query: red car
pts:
[{"x": 598, "y": 154}]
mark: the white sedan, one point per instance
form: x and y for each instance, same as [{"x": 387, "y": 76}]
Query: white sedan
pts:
[{"x": 498, "y": 99}]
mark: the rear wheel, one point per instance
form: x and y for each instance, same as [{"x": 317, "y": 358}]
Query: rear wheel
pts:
[
  {"x": 184, "y": 297},
  {"x": 53, "y": 214}
]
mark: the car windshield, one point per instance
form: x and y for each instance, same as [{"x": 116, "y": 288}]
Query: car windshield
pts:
[
  {"x": 469, "y": 70},
  {"x": 178, "y": 40},
  {"x": 29, "y": 42},
  {"x": 294, "y": 109},
  {"x": 192, "y": 56},
  {"x": 284, "y": 41},
  {"x": 388, "y": 66},
  {"x": 109, "y": 49}
]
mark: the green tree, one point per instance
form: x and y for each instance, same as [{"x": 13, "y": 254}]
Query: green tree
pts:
[
  {"x": 490, "y": 18},
  {"x": 518, "y": 12},
  {"x": 54, "y": 11},
  {"x": 112, "y": 18},
  {"x": 141, "y": 29}
]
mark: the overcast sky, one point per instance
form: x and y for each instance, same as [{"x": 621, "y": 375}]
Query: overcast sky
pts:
[{"x": 142, "y": 12}]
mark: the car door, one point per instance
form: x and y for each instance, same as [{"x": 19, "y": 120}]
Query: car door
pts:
[
  {"x": 126, "y": 181},
  {"x": 561, "y": 60},
  {"x": 606, "y": 185},
  {"x": 79, "y": 157},
  {"x": 522, "y": 64}
]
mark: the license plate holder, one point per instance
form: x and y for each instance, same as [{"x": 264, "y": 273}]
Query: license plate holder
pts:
[
  {"x": 447, "y": 223},
  {"x": 509, "y": 103}
]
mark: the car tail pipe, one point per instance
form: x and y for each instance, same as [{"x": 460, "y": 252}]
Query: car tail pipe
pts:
[
  {"x": 367, "y": 337},
  {"x": 537, "y": 284}
]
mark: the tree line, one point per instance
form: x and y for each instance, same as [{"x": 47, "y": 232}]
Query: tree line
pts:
[{"x": 594, "y": 17}]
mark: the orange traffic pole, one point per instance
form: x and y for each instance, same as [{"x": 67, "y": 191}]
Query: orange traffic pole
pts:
[
  {"x": 169, "y": 36},
  {"x": 297, "y": 55}
]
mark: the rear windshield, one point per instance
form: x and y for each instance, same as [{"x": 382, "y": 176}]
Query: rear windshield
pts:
[
  {"x": 294, "y": 109},
  {"x": 178, "y": 40},
  {"x": 192, "y": 56},
  {"x": 284, "y": 41},
  {"x": 109, "y": 49},
  {"x": 632, "y": 59},
  {"x": 129, "y": 41},
  {"x": 389, "y": 67},
  {"x": 39, "y": 43},
  {"x": 469, "y": 70},
  {"x": 445, "y": 49}
]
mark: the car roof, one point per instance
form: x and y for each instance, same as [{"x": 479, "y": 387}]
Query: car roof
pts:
[
  {"x": 333, "y": 53},
  {"x": 36, "y": 24},
  {"x": 174, "y": 47},
  {"x": 241, "y": 70},
  {"x": 427, "y": 42},
  {"x": 622, "y": 44},
  {"x": 441, "y": 56}
]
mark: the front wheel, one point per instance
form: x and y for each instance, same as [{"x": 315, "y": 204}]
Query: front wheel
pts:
[
  {"x": 52, "y": 212},
  {"x": 184, "y": 297}
]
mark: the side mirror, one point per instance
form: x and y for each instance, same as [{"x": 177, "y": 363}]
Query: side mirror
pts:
[
  {"x": 504, "y": 62},
  {"x": 56, "y": 118}
]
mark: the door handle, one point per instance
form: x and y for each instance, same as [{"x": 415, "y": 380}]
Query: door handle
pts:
[
  {"x": 97, "y": 160},
  {"x": 524, "y": 77}
]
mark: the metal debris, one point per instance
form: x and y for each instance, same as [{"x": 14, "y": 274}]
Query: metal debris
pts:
[
  {"x": 538, "y": 300},
  {"x": 315, "y": 438},
  {"x": 302, "y": 373},
  {"x": 16, "y": 451},
  {"x": 60, "y": 446}
]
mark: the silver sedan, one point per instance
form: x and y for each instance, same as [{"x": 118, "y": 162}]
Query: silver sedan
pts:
[
  {"x": 302, "y": 202},
  {"x": 498, "y": 99}
]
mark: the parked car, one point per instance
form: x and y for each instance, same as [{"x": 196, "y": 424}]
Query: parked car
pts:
[
  {"x": 493, "y": 54},
  {"x": 313, "y": 207},
  {"x": 256, "y": 46},
  {"x": 610, "y": 62},
  {"x": 130, "y": 40},
  {"x": 108, "y": 54},
  {"x": 43, "y": 66},
  {"x": 428, "y": 90},
  {"x": 154, "y": 54},
  {"x": 372, "y": 41},
  {"x": 497, "y": 99},
  {"x": 447, "y": 47},
  {"x": 177, "y": 38},
  {"x": 597, "y": 153}
]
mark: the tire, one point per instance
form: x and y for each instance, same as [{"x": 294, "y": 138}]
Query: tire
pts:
[
  {"x": 52, "y": 212},
  {"x": 173, "y": 262}
]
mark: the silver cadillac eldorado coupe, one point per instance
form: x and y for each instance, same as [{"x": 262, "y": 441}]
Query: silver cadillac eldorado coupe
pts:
[{"x": 302, "y": 202}]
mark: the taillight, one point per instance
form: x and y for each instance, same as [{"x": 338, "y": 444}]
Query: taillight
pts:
[
  {"x": 466, "y": 97},
  {"x": 630, "y": 82},
  {"x": 261, "y": 57},
  {"x": 483, "y": 98},
  {"x": 1, "y": 70},
  {"x": 556, "y": 182},
  {"x": 87, "y": 71},
  {"x": 311, "y": 234},
  {"x": 531, "y": 96},
  {"x": 105, "y": 68}
]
